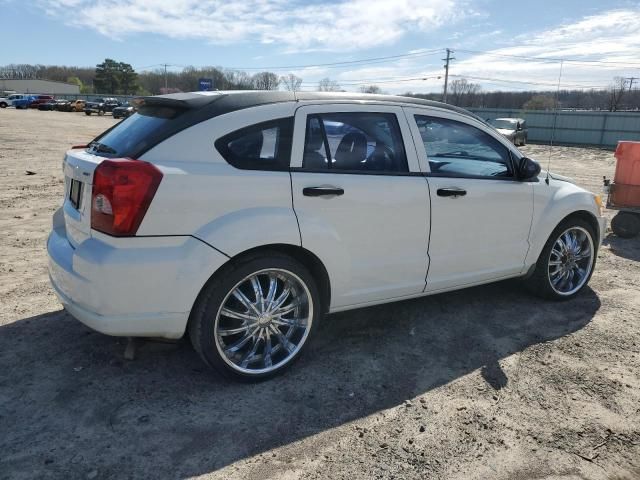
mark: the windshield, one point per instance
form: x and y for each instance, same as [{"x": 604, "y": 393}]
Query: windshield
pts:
[
  {"x": 504, "y": 124},
  {"x": 137, "y": 133}
]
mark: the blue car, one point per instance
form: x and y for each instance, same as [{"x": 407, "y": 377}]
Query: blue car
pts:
[{"x": 24, "y": 102}]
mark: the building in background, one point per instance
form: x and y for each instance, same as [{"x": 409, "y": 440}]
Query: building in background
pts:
[{"x": 38, "y": 86}]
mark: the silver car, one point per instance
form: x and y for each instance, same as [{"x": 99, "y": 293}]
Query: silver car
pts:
[{"x": 515, "y": 129}]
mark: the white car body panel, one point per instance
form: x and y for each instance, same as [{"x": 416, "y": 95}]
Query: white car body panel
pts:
[
  {"x": 482, "y": 236},
  {"x": 389, "y": 237},
  {"x": 204, "y": 196},
  {"x": 372, "y": 252}
]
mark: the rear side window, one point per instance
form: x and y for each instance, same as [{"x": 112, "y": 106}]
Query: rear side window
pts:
[
  {"x": 137, "y": 133},
  {"x": 264, "y": 146},
  {"x": 363, "y": 142}
]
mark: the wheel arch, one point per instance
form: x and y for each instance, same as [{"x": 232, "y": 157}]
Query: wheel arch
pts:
[{"x": 300, "y": 254}]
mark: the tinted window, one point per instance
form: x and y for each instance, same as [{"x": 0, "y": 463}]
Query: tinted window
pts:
[
  {"x": 358, "y": 142},
  {"x": 137, "y": 133},
  {"x": 457, "y": 149},
  {"x": 265, "y": 146}
]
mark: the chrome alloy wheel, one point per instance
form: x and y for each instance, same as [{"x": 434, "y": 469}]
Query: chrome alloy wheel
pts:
[
  {"x": 263, "y": 321},
  {"x": 571, "y": 261}
]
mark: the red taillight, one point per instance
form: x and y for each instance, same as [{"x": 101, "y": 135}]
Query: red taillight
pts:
[{"x": 122, "y": 192}]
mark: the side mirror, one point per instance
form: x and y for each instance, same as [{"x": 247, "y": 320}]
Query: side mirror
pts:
[
  {"x": 519, "y": 128},
  {"x": 528, "y": 169}
]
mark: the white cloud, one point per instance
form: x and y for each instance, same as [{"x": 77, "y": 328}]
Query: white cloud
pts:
[{"x": 337, "y": 26}]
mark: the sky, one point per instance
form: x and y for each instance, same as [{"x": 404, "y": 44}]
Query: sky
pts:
[{"x": 396, "y": 44}]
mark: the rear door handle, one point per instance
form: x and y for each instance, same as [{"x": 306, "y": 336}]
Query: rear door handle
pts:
[
  {"x": 321, "y": 191},
  {"x": 451, "y": 192}
]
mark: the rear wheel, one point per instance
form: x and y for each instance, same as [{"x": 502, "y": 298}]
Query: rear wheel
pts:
[
  {"x": 566, "y": 262},
  {"x": 3, "y": 105},
  {"x": 87, "y": 112},
  {"x": 626, "y": 224},
  {"x": 254, "y": 319}
]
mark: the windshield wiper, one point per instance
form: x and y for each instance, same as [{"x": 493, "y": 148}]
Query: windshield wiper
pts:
[{"x": 102, "y": 148}]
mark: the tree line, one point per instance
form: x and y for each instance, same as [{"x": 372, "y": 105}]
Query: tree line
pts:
[{"x": 113, "y": 77}]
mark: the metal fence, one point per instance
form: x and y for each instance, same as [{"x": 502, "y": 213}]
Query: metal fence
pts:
[{"x": 602, "y": 129}]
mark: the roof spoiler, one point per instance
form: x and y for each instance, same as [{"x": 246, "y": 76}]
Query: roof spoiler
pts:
[{"x": 175, "y": 100}]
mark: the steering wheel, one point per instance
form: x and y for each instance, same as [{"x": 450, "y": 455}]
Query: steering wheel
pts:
[{"x": 382, "y": 158}]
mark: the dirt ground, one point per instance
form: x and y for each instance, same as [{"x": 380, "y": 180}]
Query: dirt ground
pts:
[{"x": 483, "y": 383}]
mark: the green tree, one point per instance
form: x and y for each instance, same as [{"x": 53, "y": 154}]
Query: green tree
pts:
[
  {"x": 128, "y": 78},
  {"x": 540, "y": 102},
  {"x": 107, "y": 78},
  {"x": 75, "y": 81}
]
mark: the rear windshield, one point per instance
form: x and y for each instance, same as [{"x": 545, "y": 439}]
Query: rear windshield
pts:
[{"x": 136, "y": 134}]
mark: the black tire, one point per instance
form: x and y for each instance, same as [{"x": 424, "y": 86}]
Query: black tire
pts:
[
  {"x": 524, "y": 141},
  {"x": 203, "y": 319},
  {"x": 539, "y": 283},
  {"x": 100, "y": 112},
  {"x": 3, "y": 105},
  {"x": 626, "y": 224},
  {"x": 87, "y": 113}
]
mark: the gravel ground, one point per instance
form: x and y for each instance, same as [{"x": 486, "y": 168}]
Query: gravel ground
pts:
[{"x": 482, "y": 383}]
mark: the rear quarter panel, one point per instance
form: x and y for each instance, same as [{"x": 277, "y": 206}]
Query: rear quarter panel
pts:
[{"x": 202, "y": 195}]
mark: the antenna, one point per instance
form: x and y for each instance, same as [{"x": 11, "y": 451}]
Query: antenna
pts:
[{"x": 555, "y": 121}]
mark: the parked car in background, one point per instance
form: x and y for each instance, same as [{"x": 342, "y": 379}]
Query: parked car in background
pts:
[
  {"x": 63, "y": 105},
  {"x": 123, "y": 111},
  {"x": 24, "y": 102},
  {"x": 16, "y": 96},
  {"x": 514, "y": 129},
  {"x": 40, "y": 99},
  {"x": 49, "y": 106},
  {"x": 78, "y": 105},
  {"x": 101, "y": 105},
  {"x": 234, "y": 217}
]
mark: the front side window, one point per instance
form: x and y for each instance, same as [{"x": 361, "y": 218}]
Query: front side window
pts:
[
  {"x": 363, "y": 142},
  {"x": 265, "y": 146},
  {"x": 460, "y": 150}
]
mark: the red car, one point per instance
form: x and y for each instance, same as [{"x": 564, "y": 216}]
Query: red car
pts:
[{"x": 41, "y": 99}]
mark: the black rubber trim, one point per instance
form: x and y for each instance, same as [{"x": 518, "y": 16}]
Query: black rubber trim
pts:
[{"x": 357, "y": 172}]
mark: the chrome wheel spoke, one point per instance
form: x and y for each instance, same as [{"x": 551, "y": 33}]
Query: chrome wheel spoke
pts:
[
  {"x": 249, "y": 317},
  {"x": 268, "y": 362},
  {"x": 242, "y": 298},
  {"x": 285, "y": 322},
  {"x": 252, "y": 353},
  {"x": 225, "y": 332},
  {"x": 284, "y": 341},
  {"x": 257, "y": 291},
  {"x": 277, "y": 303},
  {"x": 240, "y": 343}
]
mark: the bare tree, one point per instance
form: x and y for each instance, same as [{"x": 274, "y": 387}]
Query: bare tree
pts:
[
  {"x": 291, "y": 82},
  {"x": 616, "y": 92},
  {"x": 328, "y": 85},
  {"x": 370, "y": 89},
  {"x": 266, "y": 81},
  {"x": 462, "y": 92}
]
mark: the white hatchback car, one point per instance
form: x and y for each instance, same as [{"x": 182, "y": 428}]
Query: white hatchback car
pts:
[{"x": 243, "y": 217}]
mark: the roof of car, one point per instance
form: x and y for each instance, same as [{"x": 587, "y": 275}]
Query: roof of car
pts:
[{"x": 220, "y": 102}]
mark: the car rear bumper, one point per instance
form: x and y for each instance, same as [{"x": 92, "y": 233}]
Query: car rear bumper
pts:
[{"x": 141, "y": 287}]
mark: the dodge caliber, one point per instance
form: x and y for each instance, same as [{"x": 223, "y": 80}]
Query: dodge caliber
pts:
[{"x": 241, "y": 218}]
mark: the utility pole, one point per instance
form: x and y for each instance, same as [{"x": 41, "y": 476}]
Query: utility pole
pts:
[
  {"x": 631, "y": 80},
  {"x": 446, "y": 73}
]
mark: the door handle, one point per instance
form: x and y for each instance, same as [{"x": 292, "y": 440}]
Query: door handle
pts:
[
  {"x": 451, "y": 192},
  {"x": 321, "y": 191}
]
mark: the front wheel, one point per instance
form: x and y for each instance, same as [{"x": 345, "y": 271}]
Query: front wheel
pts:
[
  {"x": 566, "y": 262},
  {"x": 3, "y": 105},
  {"x": 87, "y": 113},
  {"x": 253, "y": 319}
]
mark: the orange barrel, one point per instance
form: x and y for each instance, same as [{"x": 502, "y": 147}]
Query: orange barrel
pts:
[
  {"x": 628, "y": 163},
  {"x": 626, "y": 187}
]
